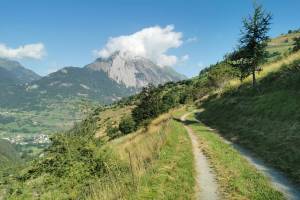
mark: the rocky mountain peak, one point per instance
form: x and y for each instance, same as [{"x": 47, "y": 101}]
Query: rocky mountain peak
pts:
[{"x": 134, "y": 71}]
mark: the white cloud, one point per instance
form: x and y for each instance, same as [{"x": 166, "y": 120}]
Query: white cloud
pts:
[
  {"x": 184, "y": 58},
  {"x": 192, "y": 39},
  {"x": 34, "y": 51},
  {"x": 152, "y": 43}
]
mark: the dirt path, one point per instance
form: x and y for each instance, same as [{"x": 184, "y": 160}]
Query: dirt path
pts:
[
  {"x": 278, "y": 180},
  {"x": 207, "y": 187}
]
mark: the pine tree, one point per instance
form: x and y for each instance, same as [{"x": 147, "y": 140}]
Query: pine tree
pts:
[{"x": 253, "y": 43}]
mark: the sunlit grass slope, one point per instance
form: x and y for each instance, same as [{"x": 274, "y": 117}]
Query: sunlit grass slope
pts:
[
  {"x": 160, "y": 164},
  {"x": 264, "y": 120},
  {"x": 282, "y": 43},
  {"x": 270, "y": 67}
]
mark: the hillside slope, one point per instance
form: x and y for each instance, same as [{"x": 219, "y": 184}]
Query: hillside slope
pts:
[
  {"x": 279, "y": 46},
  {"x": 267, "y": 122},
  {"x": 8, "y": 155}
]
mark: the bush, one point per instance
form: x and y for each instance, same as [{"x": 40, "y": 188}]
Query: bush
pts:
[
  {"x": 154, "y": 101},
  {"x": 127, "y": 125},
  {"x": 112, "y": 131},
  {"x": 296, "y": 44},
  {"x": 169, "y": 100},
  {"x": 149, "y": 105},
  {"x": 220, "y": 74},
  {"x": 186, "y": 97}
]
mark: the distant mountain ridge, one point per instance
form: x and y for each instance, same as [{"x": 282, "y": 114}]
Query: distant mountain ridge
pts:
[
  {"x": 17, "y": 72},
  {"x": 105, "y": 80},
  {"x": 78, "y": 82}
]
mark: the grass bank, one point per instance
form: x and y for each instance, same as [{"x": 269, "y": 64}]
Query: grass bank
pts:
[
  {"x": 159, "y": 164},
  {"x": 237, "y": 178},
  {"x": 172, "y": 175},
  {"x": 266, "y": 122}
]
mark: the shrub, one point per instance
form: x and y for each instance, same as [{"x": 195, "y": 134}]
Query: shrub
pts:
[
  {"x": 112, "y": 131},
  {"x": 220, "y": 74},
  {"x": 149, "y": 105},
  {"x": 186, "y": 97},
  {"x": 296, "y": 44},
  {"x": 169, "y": 100},
  {"x": 127, "y": 125}
]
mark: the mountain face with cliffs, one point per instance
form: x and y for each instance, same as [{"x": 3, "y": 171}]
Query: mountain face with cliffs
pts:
[{"x": 134, "y": 71}]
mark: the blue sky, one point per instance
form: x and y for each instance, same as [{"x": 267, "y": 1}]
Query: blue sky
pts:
[{"x": 71, "y": 29}]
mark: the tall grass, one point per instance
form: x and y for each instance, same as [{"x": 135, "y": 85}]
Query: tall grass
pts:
[
  {"x": 155, "y": 163},
  {"x": 172, "y": 175},
  {"x": 135, "y": 153}
]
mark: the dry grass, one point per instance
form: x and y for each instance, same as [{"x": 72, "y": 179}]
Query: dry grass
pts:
[
  {"x": 110, "y": 116},
  {"x": 143, "y": 145},
  {"x": 281, "y": 39},
  {"x": 152, "y": 163},
  {"x": 135, "y": 152},
  {"x": 282, "y": 43},
  {"x": 267, "y": 69},
  {"x": 275, "y": 66},
  {"x": 276, "y": 44}
]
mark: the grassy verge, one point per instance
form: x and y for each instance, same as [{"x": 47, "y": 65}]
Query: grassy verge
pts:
[
  {"x": 157, "y": 164},
  {"x": 237, "y": 178},
  {"x": 172, "y": 175}
]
